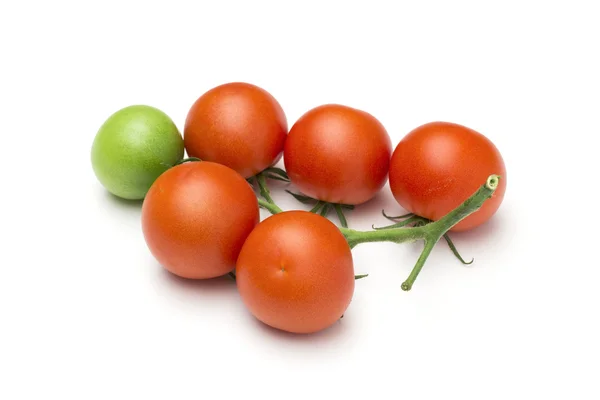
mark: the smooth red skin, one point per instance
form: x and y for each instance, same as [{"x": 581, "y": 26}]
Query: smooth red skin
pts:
[
  {"x": 295, "y": 272},
  {"x": 338, "y": 154},
  {"x": 196, "y": 217},
  {"x": 437, "y": 166},
  {"x": 236, "y": 124}
]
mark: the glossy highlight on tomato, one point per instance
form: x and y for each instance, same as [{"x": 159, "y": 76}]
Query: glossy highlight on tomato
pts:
[
  {"x": 338, "y": 154},
  {"x": 196, "y": 217},
  {"x": 295, "y": 272},
  {"x": 438, "y": 165},
  {"x": 236, "y": 124}
]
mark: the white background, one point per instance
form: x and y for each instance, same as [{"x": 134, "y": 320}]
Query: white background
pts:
[{"x": 85, "y": 311}]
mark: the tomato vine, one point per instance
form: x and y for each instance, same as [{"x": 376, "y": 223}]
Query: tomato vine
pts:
[
  {"x": 402, "y": 231},
  {"x": 406, "y": 228}
]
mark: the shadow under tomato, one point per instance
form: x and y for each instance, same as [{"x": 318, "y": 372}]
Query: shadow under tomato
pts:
[
  {"x": 186, "y": 290},
  {"x": 196, "y": 286},
  {"x": 332, "y": 333},
  {"x": 120, "y": 202},
  {"x": 120, "y": 211},
  {"x": 484, "y": 233}
]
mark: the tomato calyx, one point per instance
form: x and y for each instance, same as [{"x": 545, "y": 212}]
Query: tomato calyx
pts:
[
  {"x": 323, "y": 207},
  {"x": 276, "y": 173},
  {"x": 268, "y": 203}
]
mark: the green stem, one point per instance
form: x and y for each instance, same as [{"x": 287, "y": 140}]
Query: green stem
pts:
[
  {"x": 271, "y": 207},
  {"x": 264, "y": 190},
  {"x": 407, "y": 284},
  {"x": 469, "y": 206},
  {"x": 430, "y": 233},
  {"x": 268, "y": 202},
  {"x": 395, "y": 235}
]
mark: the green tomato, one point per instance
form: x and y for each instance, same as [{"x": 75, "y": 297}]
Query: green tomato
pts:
[{"x": 132, "y": 148}]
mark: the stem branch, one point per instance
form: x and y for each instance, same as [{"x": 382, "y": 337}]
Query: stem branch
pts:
[
  {"x": 264, "y": 190},
  {"x": 407, "y": 284},
  {"x": 395, "y": 235},
  {"x": 270, "y": 207},
  {"x": 430, "y": 233},
  {"x": 269, "y": 204}
]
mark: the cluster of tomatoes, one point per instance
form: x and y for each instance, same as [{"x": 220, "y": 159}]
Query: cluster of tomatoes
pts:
[{"x": 294, "y": 270}]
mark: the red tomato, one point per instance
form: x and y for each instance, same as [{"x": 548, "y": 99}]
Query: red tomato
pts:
[
  {"x": 238, "y": 125},
  {"x": 196, "y": 217},
  {"x": 338, "y": 154},
  {"x": 295, "y": 272},
  {"x": 437, "y": 166}
]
